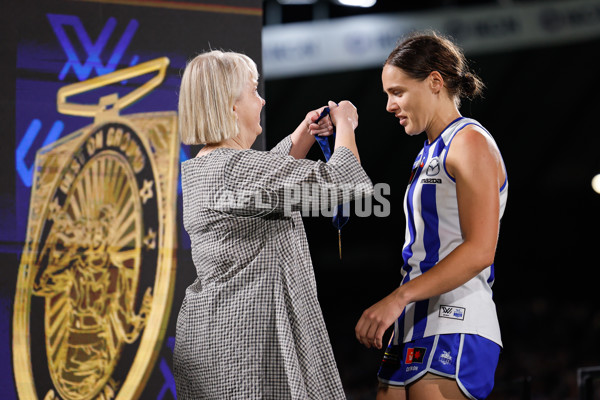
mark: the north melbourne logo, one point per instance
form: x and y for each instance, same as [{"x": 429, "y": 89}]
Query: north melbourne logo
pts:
[
  {"x": 446, "y": 358},
  {"x": 433, "y": 168}
]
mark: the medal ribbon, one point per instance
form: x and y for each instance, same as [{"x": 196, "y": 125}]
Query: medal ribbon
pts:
[{"x": 339, "y": 219}]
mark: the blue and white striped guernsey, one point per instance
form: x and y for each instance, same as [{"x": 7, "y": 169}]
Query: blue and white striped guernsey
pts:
[{"x": 432, "y": 232}]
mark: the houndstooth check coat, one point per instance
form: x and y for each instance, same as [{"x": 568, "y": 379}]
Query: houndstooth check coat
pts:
[{"x": 250, "y": 326}]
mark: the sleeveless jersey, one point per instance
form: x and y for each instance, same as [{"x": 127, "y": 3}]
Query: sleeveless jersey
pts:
[{"x": 432, "y": 232}]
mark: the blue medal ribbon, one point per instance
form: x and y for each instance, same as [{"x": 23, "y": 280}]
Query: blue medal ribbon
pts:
[{"x": 339, "y": 219}]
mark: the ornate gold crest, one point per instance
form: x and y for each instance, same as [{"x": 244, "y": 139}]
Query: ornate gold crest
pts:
[{"x": 99, "y": 257}]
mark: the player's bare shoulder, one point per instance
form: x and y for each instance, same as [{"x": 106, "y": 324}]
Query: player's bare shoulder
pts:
[{"x": 473, "y": 147}]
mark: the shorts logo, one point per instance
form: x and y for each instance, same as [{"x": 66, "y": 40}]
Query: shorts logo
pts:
[
  {"x": 452, "y": 312},
  {"x": 415, "y": 355},
  {"x": 445, "y": 358}
]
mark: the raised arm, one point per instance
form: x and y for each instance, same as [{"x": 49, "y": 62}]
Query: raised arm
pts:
[
  {"x": 304, "y": 136},
  {"x": 288, "y": 184},
  {"x": 345, "y": 119}
]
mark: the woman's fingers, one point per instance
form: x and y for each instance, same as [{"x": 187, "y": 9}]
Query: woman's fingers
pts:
[{"x": 322, "y": 128}]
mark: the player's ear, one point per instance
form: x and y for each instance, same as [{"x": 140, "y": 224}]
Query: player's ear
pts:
[{"x": 436, "y": 81}]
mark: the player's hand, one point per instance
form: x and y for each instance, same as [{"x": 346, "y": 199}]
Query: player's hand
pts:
[
  {"x": 376, "y": 319},
  {"x": 322, "y": 128}
]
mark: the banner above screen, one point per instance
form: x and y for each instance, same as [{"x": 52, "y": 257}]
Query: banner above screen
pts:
[{"x": 323, "y": 46}]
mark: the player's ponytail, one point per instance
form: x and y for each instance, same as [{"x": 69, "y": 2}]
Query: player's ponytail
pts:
[{"x": 470, "y": 85}]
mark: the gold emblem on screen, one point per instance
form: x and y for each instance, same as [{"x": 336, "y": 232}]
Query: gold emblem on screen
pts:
[{"x": 98, "y": 261}]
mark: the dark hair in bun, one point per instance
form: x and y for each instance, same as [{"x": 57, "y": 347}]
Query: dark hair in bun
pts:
[{"x": 420, "y": 54}]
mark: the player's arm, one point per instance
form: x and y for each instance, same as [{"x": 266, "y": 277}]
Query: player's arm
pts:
[{"x": 476, "y": 166}]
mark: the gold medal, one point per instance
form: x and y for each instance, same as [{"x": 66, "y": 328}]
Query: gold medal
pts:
[{"x": 99, "y": 256}]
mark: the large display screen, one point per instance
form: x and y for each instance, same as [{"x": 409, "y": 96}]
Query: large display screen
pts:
[{"x": 78, "y": 185}]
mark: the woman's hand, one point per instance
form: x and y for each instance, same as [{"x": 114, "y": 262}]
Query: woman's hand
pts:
[
  {"x": 304, "y": 136},
  {"x": 322, "y": 128},
  {"x": 376, "y": 319},
  {"x": 344, "y": 112}
]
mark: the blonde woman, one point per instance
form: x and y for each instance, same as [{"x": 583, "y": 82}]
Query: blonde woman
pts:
[{"x": 250, "y": 326}]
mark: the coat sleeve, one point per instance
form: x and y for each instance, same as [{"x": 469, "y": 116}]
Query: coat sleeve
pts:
[
  {"x": 283, "y": 147},
  {"x": 260, "y": 183}
]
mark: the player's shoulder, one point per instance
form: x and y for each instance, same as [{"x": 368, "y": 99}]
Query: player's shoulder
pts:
[
  {"x": 471, "y": 137},
  {"x": 471, "y": 146}
]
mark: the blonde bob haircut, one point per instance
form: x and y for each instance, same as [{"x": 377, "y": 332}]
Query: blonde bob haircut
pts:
[{"x": 210, "y": 86}]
